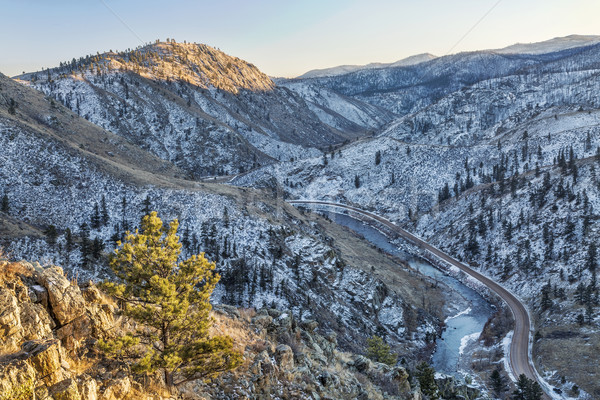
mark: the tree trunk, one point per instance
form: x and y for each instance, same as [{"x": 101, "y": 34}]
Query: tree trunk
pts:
[{"x": 169, "y": 381}]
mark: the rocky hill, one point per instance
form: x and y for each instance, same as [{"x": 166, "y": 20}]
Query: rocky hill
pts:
[
  {"x": 49, "y": 328},
  {"x": 190, "y": 104}
]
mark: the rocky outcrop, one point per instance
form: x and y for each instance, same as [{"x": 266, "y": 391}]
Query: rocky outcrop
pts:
[
  {"x": 49, "y": 327},
  {"x": 48, "y": 330},
  {"x": 66, "y": 301},
  {"x": 286, "y": 358}
]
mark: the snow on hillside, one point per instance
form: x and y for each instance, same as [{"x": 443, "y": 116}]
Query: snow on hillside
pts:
[
  {"x": 550, "y": 46},
  {"x": 263, "y": 261},
  {"x": 345, "y": 69}
]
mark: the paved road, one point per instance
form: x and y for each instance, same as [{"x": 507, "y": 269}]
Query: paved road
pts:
[{"x": 520, "y": 346}]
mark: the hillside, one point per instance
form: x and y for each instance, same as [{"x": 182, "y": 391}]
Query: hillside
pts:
[
  {"x": 499, "y": 172},
  {"x": 73, "y": 189},
  {"x": 192, "y": 105}
]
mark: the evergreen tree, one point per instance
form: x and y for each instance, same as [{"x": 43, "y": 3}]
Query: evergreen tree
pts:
[
  {"x": 378, "y": 350},
  {"x": 170, "y": 300},
  {"x": 426, "y": 376},
  {"x": 378, "y": 157},
  {"x": 527, "y": 389},
  {"x": 97, "y": 247},
  {"x": 104, "y": 211},
  {"x": 147, "y": 205},
  {"x": 68, "y": 240},
  {"x": 95, "y": 220},
  {"x": 498, "y": 382},
  {"x": 85, "y": 246},
  {"x": 356, "y": 181},
  {"x": 5, "y": 206},
  {"x": 51, "y": 235}
]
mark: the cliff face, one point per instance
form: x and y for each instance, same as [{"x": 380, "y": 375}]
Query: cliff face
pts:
[{"x": 49, "y": 327}]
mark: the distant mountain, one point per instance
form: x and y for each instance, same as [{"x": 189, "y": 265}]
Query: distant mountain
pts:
[
  {"x": 345, "y": 69},
  {"x": 550, "y": 46}
]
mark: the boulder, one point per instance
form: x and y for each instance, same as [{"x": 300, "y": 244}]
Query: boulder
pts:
[
  {"x": 44, "y": 357},
  {"x": 15, "y": 378},
  {"x": 362, "y": 364},
  {"x": 284, "y": 356},
  {"x": 35, "y": 321},
  {"x": 117, "y": 389},
  {"x": 65, "y": 390},
  {"x": 88, "y": 388},
  {"x": 66, "y": 300},
  {"x": 72, "y": 334},
  {"x": 309, "y": 325}
]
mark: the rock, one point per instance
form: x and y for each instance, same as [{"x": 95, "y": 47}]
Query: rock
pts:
[
  {"x": 92, "y": 294},
  {"x": 332, "y": 337},
  {"x": 38, "y": 294},
  {"x": 102, "y": 319},
  {"x": 35, "y": 321},
  {"x": 66, "y": 300},
  {"x": 227, "y": 310},
  {"x": 88, "y": 389},
  {"x": 326, "y": 379},
  {"x": 10, "y": 320},
  {"x": 117, "y": 389},
  {"x": 309, "y": 325},
  {"x": 262, "y": 321},
  {"x": 274, "y": 313},
  {"x": 285, "y": 322},
  {"x": 362, "y": 364},
  {"x": 400, "y": 376},
  {"x": 284, "y": 356},
  {"x": 72, "y": 334},
  {"x": 44, "y": 357},
  {"x": 16, "y": 376},
  {"x": 65, "y": 390}
]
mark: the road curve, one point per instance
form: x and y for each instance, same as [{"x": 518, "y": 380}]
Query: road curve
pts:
[{"x": 520, "y": 346}]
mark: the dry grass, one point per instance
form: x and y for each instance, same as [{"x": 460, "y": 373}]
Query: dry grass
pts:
[
  {"x": 573, "y": 353},
  {"x": 11, "y": 271}
]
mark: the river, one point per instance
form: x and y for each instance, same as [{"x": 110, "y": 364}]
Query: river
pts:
[{"x": 465, "y": 325}]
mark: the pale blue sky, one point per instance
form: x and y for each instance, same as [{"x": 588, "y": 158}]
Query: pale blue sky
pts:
[{"x": 282, "y": 37}]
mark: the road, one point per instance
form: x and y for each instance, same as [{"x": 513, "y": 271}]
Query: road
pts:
[{"x": 520, "y": 346}]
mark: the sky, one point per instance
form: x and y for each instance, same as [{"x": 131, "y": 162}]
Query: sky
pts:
[{"x": 283, "y": 38}]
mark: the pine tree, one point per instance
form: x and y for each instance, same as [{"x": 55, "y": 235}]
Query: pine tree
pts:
[
  {"x": 378, "y": 157},
  {"x": 378, "y": 350},
  {"x": 51, "y": 235},
  {"x": 147, "y": 205},
  {"x": 68, "y": 240},
  {"x": 104, "y": 211},
  {"x": 527, "y": 389},
  {"x": 170, "y": 300},
  {"x": 498, "y": 382},
  {"x": 426, "y": 376},
  {"x": 85, "y": 246},
  {"x": 356, "y": 181},
  {"x": 95, "y": 220},
  {"x": 5, "y": 206}
]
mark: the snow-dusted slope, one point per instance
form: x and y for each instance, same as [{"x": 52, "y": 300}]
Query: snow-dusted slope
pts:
[
  {"x": 494, "y": 161},
  {"x": 192, "y": 105},
  {"x": 552, "y": 45},
  {"x": 345, "y": 69},
  {"x": 59, "y": 171}
]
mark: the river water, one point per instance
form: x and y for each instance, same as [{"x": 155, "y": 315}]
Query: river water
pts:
[{"x": 462, "y": 327}]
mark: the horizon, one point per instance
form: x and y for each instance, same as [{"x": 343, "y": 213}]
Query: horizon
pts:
[{"x": 288, "y": 40}]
